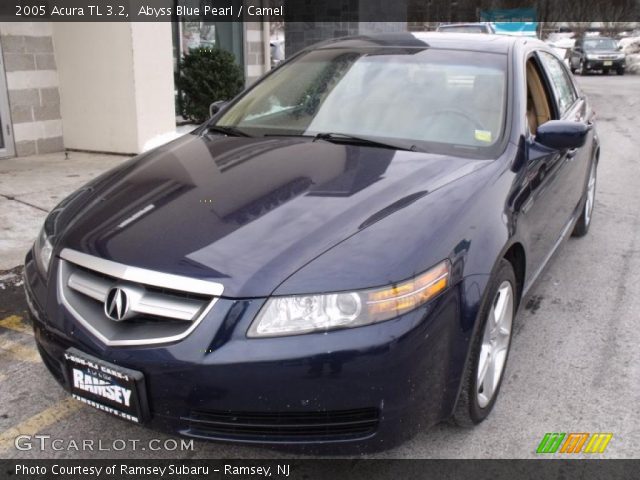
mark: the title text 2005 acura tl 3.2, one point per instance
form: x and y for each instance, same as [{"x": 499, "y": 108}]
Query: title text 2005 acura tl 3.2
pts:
[{"x": 338, "y": 255}]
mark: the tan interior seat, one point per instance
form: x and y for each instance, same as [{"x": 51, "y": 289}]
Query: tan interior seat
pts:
[
  {"x": 531, "y": 113},
  {"x": 538, "y": 110}
]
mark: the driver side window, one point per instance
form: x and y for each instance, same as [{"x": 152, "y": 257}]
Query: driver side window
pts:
[
  {"x": 539, "y": 106},
  {"x": 564, "y": 91}
]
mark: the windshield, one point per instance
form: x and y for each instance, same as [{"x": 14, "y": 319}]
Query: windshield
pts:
[
  {"x": 426, "y": 97},
  {"x": 600, "y": 44}
]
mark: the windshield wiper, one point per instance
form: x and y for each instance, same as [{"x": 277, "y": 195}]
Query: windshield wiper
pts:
[
  {"x": 346, "y": 138},
  {"x": 227, "y": 130}
]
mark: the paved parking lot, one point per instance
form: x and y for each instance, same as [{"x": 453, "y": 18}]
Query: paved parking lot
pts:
[{"x": 574, "y": 366}]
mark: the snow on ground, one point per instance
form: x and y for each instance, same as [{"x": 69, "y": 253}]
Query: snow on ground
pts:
[{"x": 9, "y": 278}]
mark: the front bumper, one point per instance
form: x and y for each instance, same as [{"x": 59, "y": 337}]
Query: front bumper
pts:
[
  {"x": 605, "y": 64},
  {"x": 374, "y": 385}
]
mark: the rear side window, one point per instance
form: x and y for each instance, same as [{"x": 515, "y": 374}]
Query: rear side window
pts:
[{"x": 562, "y": 86}]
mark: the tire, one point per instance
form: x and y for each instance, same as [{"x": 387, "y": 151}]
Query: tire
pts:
[
  {"x": 620, "y": 71},
  {"x": 581, "y": 68},
  {"x": 582, "y": 225},
  {"x": 490, "y": 347}
]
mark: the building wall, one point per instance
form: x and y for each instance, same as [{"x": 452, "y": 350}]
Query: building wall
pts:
[
  {"x": 99, "y": 86},
  {"x": 32, "y": 84},
  {"x": 116, "y": 84},
  {"x": 97, "y": 101},
  {"x": 355, "y": 17},
  {"x": 299, "y": 35},
  {"x": 153, "y": 77},
  {"x": 256, "y": 56}
]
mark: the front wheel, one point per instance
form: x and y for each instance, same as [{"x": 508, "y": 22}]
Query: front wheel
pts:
[
  {"x": 620, "y": 71},
  {"x": 582, "y": 226},
  {"x": 490, "y": 349}
]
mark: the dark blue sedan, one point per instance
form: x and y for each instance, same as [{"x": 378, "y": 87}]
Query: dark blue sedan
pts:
[{"x": 338, "y": 255}]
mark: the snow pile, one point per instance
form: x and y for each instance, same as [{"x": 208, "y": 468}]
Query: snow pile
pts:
[
  {"x": 560, "y": 40},
  {"x": 631, "y": 47},
  {"x": 11, "y": 278},
  {"x": 630, "y": 44},
  {"x": 561, "y": 43}
]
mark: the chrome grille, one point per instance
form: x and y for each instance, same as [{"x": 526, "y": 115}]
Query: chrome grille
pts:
[
  {"x": 145, "y": 303},
  {"x": 160, "y": 307}
]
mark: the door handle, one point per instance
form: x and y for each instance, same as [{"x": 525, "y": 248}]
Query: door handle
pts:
[{"x": 572, "y": 153}]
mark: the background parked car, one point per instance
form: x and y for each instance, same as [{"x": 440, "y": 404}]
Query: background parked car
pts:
[
  {"x": 466, "y": 28},
  {"x": 599, "y": 53}
]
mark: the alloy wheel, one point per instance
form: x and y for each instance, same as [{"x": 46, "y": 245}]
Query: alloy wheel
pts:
[
  {"x": 591, "y": 195},
  {"x": 495, "y": 344}
]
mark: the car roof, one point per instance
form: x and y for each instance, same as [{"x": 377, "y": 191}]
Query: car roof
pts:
[
  {"x": 473, "y": 24},
  {"x": 454, "y": 41}
]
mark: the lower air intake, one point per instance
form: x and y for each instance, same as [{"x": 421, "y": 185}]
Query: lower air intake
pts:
[{"x": 285, "y": 426}]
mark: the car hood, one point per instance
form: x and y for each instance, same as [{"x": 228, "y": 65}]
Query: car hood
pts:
[
  {"x": 602, "y": 52},
  {"x": 247, "y": 212}
]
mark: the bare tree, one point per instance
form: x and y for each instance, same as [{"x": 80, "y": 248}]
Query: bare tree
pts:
[{"x": 612, "y": 16}]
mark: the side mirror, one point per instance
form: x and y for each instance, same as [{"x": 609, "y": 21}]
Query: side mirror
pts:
[
  {"x": 215, "y": 107},
  {"x": 619, "y": 47},
  {"x": 562, "y": 134}
]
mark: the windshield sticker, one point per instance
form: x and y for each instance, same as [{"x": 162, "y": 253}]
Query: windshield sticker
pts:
[{"x": 483, "y": 136}]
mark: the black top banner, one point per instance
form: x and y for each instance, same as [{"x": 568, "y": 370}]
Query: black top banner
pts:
[
  {"x": 409, "y": 11},
  {"x": 324, "y": 469}
]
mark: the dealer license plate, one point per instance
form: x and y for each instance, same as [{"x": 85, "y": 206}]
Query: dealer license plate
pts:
[{"x": 105, "y": 386}]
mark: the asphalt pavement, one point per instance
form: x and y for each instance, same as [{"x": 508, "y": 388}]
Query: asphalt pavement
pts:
[{"x": 574, "y": 364}]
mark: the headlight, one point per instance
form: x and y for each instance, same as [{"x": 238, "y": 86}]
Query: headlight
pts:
[
  {"x": 281, "y": 316},
  {"x": 591, "y": 57},
  {"x": 43, "y": 251},
  {"x": 620, "y": 56}
]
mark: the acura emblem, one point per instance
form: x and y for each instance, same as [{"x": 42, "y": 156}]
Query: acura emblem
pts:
[{"x": 116, "y": 306}]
